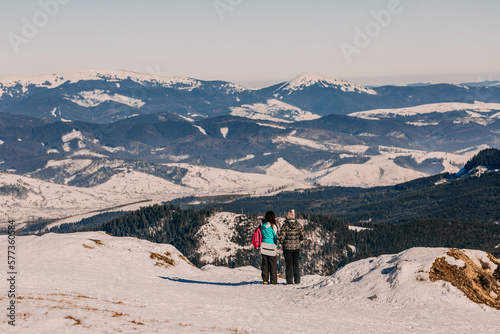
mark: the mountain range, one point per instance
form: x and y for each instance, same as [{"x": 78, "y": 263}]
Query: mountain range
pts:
[
  {"x": 108, "y": 96},
  {"x": 83, "y": 129}
]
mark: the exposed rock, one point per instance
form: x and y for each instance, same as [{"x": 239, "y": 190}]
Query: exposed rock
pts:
[{"x": 480, "y": 283}]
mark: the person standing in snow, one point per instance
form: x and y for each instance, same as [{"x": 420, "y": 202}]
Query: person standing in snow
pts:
[
  {"x": 269, "y": 230},
  {"x": 291, "y": 235}
]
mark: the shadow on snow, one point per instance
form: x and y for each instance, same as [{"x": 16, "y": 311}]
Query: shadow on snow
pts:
[{"x": 182, "y": 280}]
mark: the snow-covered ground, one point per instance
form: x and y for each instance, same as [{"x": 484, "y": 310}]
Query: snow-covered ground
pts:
[{"x": 94, "y": 283}]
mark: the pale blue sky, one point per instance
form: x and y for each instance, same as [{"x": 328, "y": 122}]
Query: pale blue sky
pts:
[{"x": 258, "y": 42}]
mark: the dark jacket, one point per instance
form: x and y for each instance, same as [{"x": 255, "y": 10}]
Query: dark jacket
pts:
[{"x": 291, "y": 234}]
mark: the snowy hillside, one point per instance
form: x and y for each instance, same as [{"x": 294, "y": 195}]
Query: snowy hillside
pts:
[
  {"x": 225, "y": 239},
  {"x": 24, "y": 198},
  {"x": 97, "y": 97},
  {"x": 215, "y": 237},
  {"x": 378, "y": 170},
  {"x": 92, "y": 282},
  {"x": 477, "y": 112},
  {"x": 273, "y": 110},
  {"x": 31, "y": 198}
]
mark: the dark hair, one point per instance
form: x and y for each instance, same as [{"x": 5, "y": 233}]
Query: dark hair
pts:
[{"x": 270, "y": 217}]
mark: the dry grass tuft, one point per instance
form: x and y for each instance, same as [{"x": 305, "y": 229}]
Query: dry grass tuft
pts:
[
  {"x": 187, "y": 261},
  {"x": 24, "y": 315},
  {"x": 86, "y": 246},
  {"x": 77, "y": 321},
  {"x": 476, "y": 282},
  {"x": 164, "y": 260},
  {"x": 97, "y": 242},
  {"x": 236, "y": 331}
]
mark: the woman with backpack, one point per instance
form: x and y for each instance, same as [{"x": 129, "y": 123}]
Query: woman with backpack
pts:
[
  {"x": 269, "y": 230},
  {"x": 291, "y": 235}
]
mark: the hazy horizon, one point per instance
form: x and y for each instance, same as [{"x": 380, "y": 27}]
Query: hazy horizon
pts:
[{"x": 256, "y": 43}]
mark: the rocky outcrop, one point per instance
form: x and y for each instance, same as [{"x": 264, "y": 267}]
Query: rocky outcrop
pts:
[{"x": 479, "y": 280}]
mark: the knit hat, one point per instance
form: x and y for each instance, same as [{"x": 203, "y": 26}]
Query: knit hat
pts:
[{"x": 290, "y": 214}]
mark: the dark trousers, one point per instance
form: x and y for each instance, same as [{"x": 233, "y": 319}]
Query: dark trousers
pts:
[
  {"x": 292, "y": 266},
  {"x": 269, "y": 268}
]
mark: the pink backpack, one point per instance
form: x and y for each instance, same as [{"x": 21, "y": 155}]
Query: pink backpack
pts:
[{"x": 257, "y": 238}]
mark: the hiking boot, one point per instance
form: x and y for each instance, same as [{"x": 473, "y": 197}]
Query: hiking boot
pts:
[{"x": 265, "y": 283}]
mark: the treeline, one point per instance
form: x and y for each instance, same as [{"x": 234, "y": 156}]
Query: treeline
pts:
[
  {"x": 471, "y": 199},
  {"x": 86, "y": 223},
  {"x": 427, "y": 233},
  {"x": 489, "y": 158}
]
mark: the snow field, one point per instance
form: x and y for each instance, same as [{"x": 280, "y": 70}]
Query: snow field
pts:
[{"x": 91, "y": 282}]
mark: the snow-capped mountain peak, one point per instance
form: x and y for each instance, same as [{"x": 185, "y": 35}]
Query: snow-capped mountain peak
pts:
[{"x": 309, "y": 79}]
